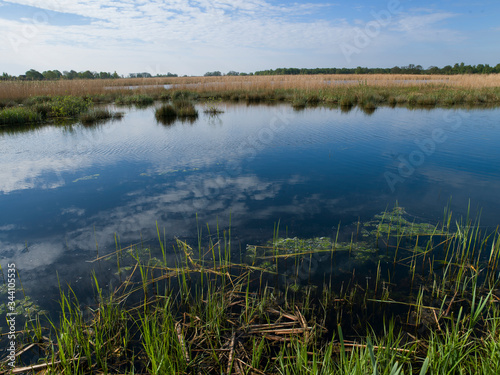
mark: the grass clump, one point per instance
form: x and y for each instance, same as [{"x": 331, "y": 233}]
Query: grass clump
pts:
[
  {"x": 99, "y": 115},
  {"x": 19, "y": 115},
  {"x": 299, "y": 103},
  {"x": 179, "y": 109},
  {"x": 184, "y": 108},
  {"x": 138, "y": 100},
  {"x": 212, "y": 106},
  {"x": 166, "y": 112},
  {"x": 68, "y": 106}
]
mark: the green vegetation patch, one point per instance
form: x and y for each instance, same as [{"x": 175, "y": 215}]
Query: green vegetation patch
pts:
[
  {"x": 99, "y": 115},
  {"x": 87, "y": 178},
  {"x": 19, "y": 115},
  {"x": 137, "y": 99}
]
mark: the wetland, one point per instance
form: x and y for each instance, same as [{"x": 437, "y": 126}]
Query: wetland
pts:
[{"x": 257, "y": 237}]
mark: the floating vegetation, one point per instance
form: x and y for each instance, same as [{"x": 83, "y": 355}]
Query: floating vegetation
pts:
[
  {"x": 87, "y": 178},
  {"x": 379, "y": 304},
  {"x": 398, "y": 220},
  {"x": 25, "y": 307}
]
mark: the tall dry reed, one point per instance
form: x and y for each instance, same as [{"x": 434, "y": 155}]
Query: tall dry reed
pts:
[{"x": 18, "y": 90}]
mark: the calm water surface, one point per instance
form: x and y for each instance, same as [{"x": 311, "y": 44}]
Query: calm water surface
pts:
[{"x": 67, "y": 190}]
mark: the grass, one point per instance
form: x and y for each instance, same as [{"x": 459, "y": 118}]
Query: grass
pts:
[
  {"x": 411, "y": 90},
  {"x": 213, "y": 310},
  {"x": 42, "y": 108},
  {"x": 69, "y": 99},
  {"x": 140, "y": 100},
  {"x": 19, "y": 115},
  {"x": 180, "y": 108},
  {"x": 98, "y": 115}
]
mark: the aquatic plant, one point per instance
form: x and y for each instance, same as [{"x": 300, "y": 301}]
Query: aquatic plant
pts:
[
  {"x": 291, "y": 306},
  {"x": 184, "y": 108},
  {"x": 135, "y": 99},
  {"x": 99, "y": 115},
  {"x": 166, "y": 111}
]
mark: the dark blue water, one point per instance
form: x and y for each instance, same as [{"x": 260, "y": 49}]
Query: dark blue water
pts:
[{"x": 66, "y": 191}]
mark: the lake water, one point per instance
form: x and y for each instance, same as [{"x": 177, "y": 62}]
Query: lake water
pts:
[{"x": 68, "y": 192}]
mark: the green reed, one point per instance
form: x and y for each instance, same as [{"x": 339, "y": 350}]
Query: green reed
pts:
[{"x": 203, "y": 313}]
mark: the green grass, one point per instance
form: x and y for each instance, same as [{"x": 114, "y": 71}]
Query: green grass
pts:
[
  {"x": 135, "y": 99},
  {"x": 184, "y": 108},
  {"x": 179, "y": 109},
  {"x": 19, "y": 115},
  {"x": 211, "y": 310},
  {"x": 98, "y": 115}
]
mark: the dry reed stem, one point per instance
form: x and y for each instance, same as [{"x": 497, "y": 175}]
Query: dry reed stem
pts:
[{"x": 18, "y": 90}]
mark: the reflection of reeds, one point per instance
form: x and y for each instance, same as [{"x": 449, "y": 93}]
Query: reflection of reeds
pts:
[{"x": 202, "y": 313}]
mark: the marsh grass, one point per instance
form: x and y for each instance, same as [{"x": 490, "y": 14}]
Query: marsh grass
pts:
[
  {"x": 184, "y": 108},
  {"x": 140, "y": 100},
  {"x": 423, "y": 90},
  {"x": 281, "y": 310},
  {"x": 97, "y": 115},
  {"x": 180, "y": 108},
  {"x": 19, "y": 115},
  {"x": 43, "y": 108}
]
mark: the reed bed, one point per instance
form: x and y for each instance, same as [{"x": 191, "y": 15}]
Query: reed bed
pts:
[
  {"x": 271, "y": 310},
  {"x": 20, "y": 90}
]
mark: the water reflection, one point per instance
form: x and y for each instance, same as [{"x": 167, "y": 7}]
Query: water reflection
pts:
[{"x": 66, "y": 191}]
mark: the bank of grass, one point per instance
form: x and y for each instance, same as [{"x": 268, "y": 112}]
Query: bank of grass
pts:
[
  {"x": 206, "y": 312},
  {"x": 19, "y": 115},
  {"x": 426, "y": 90},
  {"x": 300, "y": 92},
  {"x": 44, "y": 108}
]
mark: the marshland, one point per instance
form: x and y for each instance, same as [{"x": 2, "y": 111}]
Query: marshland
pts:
[{"x": 249, "y": 225}]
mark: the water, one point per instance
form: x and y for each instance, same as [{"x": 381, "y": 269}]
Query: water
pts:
[{"x": 68, "y": 192}]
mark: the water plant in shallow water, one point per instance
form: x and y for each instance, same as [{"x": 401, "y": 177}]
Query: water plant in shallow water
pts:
[
  {"x": 98, "y": 115},
  {"x": 197, "y": 311},
  {"x": 212, "y": 106}
]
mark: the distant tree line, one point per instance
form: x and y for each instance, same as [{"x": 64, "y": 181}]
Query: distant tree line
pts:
[
  {"x": 52, "y": 75},
  {"x": 410, "y": 69},
  {"x": 230, "y": 73}
]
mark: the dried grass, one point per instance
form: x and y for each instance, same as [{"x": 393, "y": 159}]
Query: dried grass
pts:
[{"x": 19, "y": 90}]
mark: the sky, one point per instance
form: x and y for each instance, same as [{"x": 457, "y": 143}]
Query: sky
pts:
[{"x": 191, "y": 37}]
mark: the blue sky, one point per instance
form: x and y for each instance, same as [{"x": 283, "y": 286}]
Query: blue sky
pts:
[{"x": 195, "y": 36}]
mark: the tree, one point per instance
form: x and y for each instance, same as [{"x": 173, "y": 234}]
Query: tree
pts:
[
  {"x": 71, "y": 74},
  {"x": 434, "y": 70},
  {"x": 232, "y": 73},
  {"x": 52, "y": 74},
  {"x": 213, "y": 74},
  {"x": 396, "y": 70},
  {"x": 34, "y": 75}
]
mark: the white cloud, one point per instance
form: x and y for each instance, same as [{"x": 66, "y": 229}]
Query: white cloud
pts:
[
  {"x": 427, "y": 27},
  {"x": 213, "y": 31}
]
